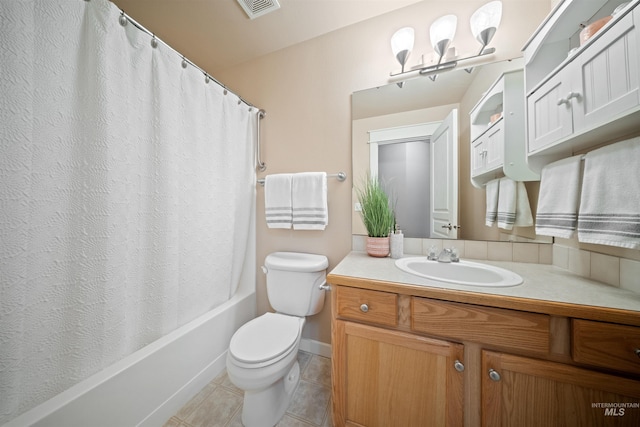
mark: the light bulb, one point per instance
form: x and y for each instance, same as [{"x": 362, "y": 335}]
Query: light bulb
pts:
[
  {"x": 402, "y": 44},
  {"x": 485, "y": 21},
  {"x": 442, "y": 32}
]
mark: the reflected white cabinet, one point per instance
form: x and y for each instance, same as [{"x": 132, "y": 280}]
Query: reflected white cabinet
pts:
[
  {"x": 487, "y": 150},
  {"x": 577, "y": 99},
  {"x": 498, "y": 136}
]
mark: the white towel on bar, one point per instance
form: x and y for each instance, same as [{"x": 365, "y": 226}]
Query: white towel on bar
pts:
[
  {"x": 309, "y": 195},
  {"x": 507, "y": 203},
  {"x": 513, "y": 205},
  {"x": 492, "y": 202},
  {"x": 559, "y": 198},
  {"x": 609, "y": 206},
  {"x": 277, "y": 200},
  {"x": 524, "y": 218}
]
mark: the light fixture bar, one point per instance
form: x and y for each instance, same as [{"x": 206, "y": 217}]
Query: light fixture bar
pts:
[{"x": 444, "y": 66}]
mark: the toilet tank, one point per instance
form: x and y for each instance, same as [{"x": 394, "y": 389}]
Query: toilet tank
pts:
[{"x": 293, "y": 281}]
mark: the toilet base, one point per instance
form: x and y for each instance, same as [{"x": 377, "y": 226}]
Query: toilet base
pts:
[{"x": 265, "y": 408}]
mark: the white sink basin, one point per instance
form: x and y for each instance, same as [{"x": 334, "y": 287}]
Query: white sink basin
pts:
[{"x": 462, "y": 273}]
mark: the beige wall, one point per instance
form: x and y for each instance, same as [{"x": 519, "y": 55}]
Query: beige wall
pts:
[{"x": 306, "y": 92}]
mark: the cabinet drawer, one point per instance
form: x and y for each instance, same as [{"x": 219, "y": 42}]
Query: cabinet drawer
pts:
[
  {"x": 606, "y": 344},
  {"x": 487, "y": 325},
  {"x": 367, "y": 306}
]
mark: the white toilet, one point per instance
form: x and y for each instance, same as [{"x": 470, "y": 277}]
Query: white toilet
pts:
[{"x": 263, "y": 354}]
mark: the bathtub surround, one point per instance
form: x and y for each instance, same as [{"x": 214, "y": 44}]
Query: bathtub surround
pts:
[{"x": 127, "y": 188}]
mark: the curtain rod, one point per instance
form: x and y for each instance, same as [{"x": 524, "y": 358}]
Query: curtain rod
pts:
[{"x": 124, "y": 19}]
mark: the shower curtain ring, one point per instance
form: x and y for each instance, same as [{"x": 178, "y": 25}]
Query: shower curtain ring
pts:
[
  {"x": 123, "y": 20},
  {"x": 184, "y": 62},
  {"x": 154, "y": 42}
]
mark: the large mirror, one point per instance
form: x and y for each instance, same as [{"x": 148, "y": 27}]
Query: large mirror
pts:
[{"x": 391, "y": 118}]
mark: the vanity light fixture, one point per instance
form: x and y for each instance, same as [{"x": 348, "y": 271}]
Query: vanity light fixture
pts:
[
  {"x": 402, "y": 45},
  {"x": 484, "y": 23}
]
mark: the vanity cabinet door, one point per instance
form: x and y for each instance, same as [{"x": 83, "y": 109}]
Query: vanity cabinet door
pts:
[
  {"x": 520, "y": 391},
  {"x": 606, "y": 76},
  {"x": 391, "y": 378},
  {"x": 549, "y": 112}
]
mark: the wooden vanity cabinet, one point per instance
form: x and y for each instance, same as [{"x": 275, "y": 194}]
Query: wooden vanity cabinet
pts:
[
  {"x": 392, "y": 378},
  {"x": 522, "y": 391},
  {"x": 389, "y": 377},
  {"x": 401, "y": 359}
]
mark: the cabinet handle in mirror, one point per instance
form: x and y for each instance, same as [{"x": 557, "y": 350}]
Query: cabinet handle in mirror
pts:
[
  {"x": 448, "y": 227},
  {"x": 637, "y": 352},
  {"x": 563, "y": 101},
  {"x": 459, "y": 366},
  {"x": 494, "y": 375},
  {"x": 364, "y": 308}
]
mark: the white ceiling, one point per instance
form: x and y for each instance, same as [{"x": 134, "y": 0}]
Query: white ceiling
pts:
[{"x": 217, "y": 34}]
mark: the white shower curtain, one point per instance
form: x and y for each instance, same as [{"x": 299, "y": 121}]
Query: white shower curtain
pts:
[{"x": 126, "y": 189}]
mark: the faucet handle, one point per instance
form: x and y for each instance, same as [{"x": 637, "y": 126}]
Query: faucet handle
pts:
[
  {"x": 454, "y": 255},
  {"x": 433, "y": 253}
]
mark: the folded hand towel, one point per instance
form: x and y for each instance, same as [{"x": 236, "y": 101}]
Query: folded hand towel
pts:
[
  {"x": 492, "y": 202},
  {"x": 507, "y": 203},
  {"x": 523, "y": 208},
  {"x": 277, "y": 200},
  {"x": 309, "y": 195},
  {"x": 611, "y": 196},
  {"x": 557, "y": 213}
]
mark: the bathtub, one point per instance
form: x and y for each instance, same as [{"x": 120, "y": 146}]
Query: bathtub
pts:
[{"x": 152, "y": 384}]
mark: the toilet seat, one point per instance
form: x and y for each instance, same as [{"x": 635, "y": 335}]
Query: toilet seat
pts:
[{"x": 265, "y": 339}]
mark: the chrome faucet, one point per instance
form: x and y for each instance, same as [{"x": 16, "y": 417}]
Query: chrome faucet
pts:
[{"x": 448, "y": 255}]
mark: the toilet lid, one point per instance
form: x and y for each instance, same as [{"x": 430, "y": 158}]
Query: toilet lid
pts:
[{"x": 264, "y": 338}]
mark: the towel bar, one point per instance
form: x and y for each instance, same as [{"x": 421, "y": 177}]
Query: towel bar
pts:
[{"x": 341, "y": 176}]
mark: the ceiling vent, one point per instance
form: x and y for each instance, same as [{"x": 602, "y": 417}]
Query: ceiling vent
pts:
[{"x": 256, "y": 8}]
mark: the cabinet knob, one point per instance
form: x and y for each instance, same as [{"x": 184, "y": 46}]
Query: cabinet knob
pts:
[
  {"x": 364, "y": 308},
  {"x": 637, "y": 352},
  {"x": 459, "y": 366},
  {"x": 494, "y": 375},
  {"x": 563, "y": 101},
  {"x": 572, "y": 95}
]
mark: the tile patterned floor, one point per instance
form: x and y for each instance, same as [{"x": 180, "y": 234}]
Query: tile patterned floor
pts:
[{"x": 219, "y": 404}]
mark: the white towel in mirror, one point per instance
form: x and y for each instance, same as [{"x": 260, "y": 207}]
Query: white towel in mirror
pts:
[
  {"x": 491, "y": 189},
  {"x": 513, "y": 205}
]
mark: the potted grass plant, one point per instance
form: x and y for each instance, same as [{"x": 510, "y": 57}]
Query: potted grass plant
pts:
[{"x": 377, "y": 215}]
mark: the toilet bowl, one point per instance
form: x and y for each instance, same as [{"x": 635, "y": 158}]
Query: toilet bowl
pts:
[
  {"x": 263, "y": 361},
  {"x": 263, "y": 353}
]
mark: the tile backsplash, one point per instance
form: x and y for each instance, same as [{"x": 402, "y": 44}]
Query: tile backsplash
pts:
[
  {"x": 611, "y": 270},
  {"x": 537, "y": 253},
  {"x": 619, "y": 272}
]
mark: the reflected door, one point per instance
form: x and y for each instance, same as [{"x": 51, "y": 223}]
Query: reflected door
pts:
[
  {"x": 444, "y": 179},
  {"x": 404, "y": 172}
]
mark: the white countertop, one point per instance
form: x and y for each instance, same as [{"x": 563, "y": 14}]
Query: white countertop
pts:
[{"x": 541, "y": 282}]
